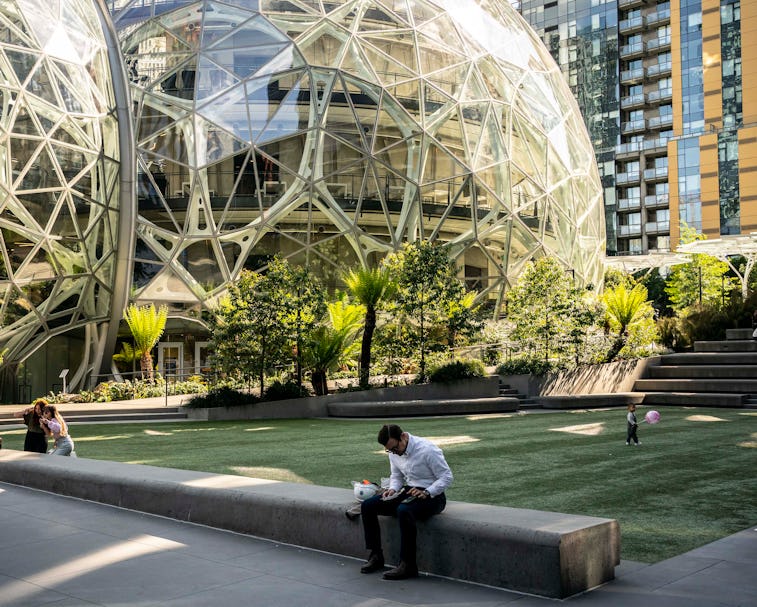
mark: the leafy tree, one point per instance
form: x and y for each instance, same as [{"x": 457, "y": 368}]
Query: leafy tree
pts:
[
  {"x": 371, "y": 287},
  {"x": 624, "y": 307},
  {"x": 329, "y": 346},
  {"x": 263, "y": 317},
  {"x": 697, "y": 282},
  {"x": 547, "y": 312},
  {"x": 427, "y": 283},
  {"x": 146, "y": 325}
]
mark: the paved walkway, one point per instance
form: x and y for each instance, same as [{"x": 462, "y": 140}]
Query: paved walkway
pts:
[{"x": 61, "y": 552}]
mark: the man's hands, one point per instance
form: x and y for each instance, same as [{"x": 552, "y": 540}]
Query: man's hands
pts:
[{"x": 419, "y": 493}]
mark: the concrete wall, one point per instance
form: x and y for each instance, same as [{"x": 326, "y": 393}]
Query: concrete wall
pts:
[
  {"x": 317, "y": 406},
  {"x": 607, "y": 378}
]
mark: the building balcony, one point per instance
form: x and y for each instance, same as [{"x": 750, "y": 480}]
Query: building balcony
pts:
[
  {"x": 629, "y": 204},
  {"x": 656, "y": 146},
  {"x": 635, "y": 126},
  {"x": 659, "y": 69},
  {"x": 656, "y": 174},
  {"x": 632, "y": 230},
  {"x": 660, "y": 95},
  {"x": 630, "y": 25},
  {"x": 630, "y": 3},
  {"x": 632, "y": 101},
  {"x": 631, "y": 50},
  {"x": 628, "y": 148},
  {"x": 635, "y": 75},
  {"x": 657, "y": 227},
  {"x": 656, "y": 44},
  {"x": 659, "y": 17},
  {"x": 660, "y": 122},
  {"x": 656, "y": 200},
  {"x": 623, "y": 178}
]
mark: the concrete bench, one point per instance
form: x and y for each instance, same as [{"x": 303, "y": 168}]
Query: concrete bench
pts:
[
  {"x": 590, "y": 401},
  {"x": 545, "y": 553},
  {"x": 388, "y": 408}
]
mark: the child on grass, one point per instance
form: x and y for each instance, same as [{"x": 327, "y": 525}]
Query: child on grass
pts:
[{"x": 632, "y": 426}]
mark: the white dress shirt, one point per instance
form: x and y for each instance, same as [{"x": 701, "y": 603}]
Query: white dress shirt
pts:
[{"x": 421, "y": 465}]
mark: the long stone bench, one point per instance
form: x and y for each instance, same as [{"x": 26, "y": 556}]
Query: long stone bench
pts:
[
  {"x": 546, "y": 553},
  {"x": 590, "y": 401},
  {"x": 388, "y": 408}
]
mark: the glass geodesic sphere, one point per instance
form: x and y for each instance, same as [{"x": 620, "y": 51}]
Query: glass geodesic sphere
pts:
[
  {"x": 333, "y": 132},
  {"x": 59, "y": 176}
]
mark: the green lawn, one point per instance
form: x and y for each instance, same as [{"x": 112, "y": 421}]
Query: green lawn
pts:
[{"x": 691, "y": 481}]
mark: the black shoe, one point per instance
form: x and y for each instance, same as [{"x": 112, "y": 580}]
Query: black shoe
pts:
[
  {"x": 402, "y": 571},
  {"x": 374, "y": 563}
]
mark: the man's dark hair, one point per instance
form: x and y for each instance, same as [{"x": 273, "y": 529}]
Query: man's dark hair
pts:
[{"x": 389, "y": 431}]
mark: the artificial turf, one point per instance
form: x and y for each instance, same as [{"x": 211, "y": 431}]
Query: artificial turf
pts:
[{"x": 691, "y": 481}]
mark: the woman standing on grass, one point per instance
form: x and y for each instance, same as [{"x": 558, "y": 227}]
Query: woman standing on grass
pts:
[
  {"x": 57, "y": 426},
  {"x": 36, "y": 433}
]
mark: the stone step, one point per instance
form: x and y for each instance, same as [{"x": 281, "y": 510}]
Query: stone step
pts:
[
  {"x": 730, "y": 345},
  {"x": 694, "y": 399},
  {"x": 743, "y": 386},
  {"x": 738, "y": 334},
  {"x": 703, "y": 372},
  {"x": 709, "y": 358}
]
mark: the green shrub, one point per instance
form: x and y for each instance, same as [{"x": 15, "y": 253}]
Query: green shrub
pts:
[
  {"x": 672, "y": 334},
  {"x": 285, "y": 390},
  {"x": 524, "y": 365},
  {"x": 222, "y": 397},
  {"x": 457, "y": 369}
]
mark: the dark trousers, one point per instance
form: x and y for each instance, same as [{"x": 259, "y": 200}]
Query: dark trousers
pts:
[
  {"x": 631, "y": 434},
  {"x": 36, "y": 442},
  {"x": 419, "y": 509}
]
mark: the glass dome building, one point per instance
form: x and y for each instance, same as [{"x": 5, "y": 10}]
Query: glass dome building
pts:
[
  {"x": 332, "y": 132},
  {"x": 61, "y": 210}
]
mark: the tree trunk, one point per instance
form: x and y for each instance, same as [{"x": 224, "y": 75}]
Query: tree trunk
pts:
[
  {"x": 365, "y": 349},
  {"x": 145, "y": 363},
  {"x": 262, "y": 365},
  {"x": 318, "y": 379}
]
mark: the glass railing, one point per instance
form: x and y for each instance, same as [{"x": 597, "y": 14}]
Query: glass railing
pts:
[
  {"x": 625, "y": 204},
  {"x": 632, "y": 177},
  {"x": 632, "y": 230},
  {"x": 634, "y": 74},
  {"x": 660, "y": 68},
  {"x": 628, "y": 148},
  {"x": 632, "y": 100},
  {"x": 657, "y": 173},
  {"x": 655, "y": 145},
  {"x": 656, "y": 43},
  {"x": 633, "y": 22},
  {"x": 660, "y": 95},
  {"x": 633, "y": 126},
  {"x": 631, "y": 49},
  {"x": 658, "y": 16},
  {"x": 657, "y": 122},
  {"x": 654, "y": 200},
  {"x": 654, "y": 227}
]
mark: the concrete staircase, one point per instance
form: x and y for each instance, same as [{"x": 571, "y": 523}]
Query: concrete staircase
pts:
[
  {"x": 716, "y": 374},
  {"x": 525, "y": 401},
  {"x": 102, "y": 414}
]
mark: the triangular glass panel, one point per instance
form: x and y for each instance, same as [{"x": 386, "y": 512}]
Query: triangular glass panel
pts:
[
  {"x": 213, "y": 79},
  {"x": 152, "y": 38},
  {"x": 323, "y": 44},
  {"x": 449, "y": 80},
  {"x": 474, "y": 88},
  {"x": 157, "y": 116},
  {"x": 288, "y": 6},
  {"x": 356, "y": 62},
  {"x": 35, "y": 266},
  {"x": 228, "y": 111},
  {"x": 254, "y": 32},
  {"x": 440, "y": 28},
  {"x": 376, "y": 17},
  {"x": 291, "y": 118},
  {"x": 335, "y": 154},
  {"x": 396, "y": 124},
  {"x": 432, "y": 55},
  {"x": 521, "y": 143},
  {"x": 173, "y": 144},
  {"x": 392, "y": 52},
  {"x": 491, "y": 149},
  {"x": 42, "y": 85},
  {"x": 180, "y": 82},
  {"x": 168, "y": 286},
  {"x": 435, "y": 102},
  {"x": 22, "y": 62},
  {"x": 200, "y": 259},
  {"x": 438, "y": 163}
]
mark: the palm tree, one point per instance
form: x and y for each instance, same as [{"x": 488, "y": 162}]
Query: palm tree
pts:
[
  {"x": 330, "y": 346},
  {"x": 623, "y": 308},
  {"x": 146, "y": 325},
  {"x": 369, "y": 287}
]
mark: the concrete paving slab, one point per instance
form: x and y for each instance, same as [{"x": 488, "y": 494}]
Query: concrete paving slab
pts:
[{"x": 57, "y": 551}]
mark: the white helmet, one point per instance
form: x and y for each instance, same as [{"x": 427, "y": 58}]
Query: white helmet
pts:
[{"x": 364, "y": 490}]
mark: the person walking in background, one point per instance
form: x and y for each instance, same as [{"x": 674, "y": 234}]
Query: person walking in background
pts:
[
  {"x": 632, "y": 426},
  {"x": 36, "y": 433},
  {"x": 419, "y": 477},
  {"x": 57, "y": 426}
]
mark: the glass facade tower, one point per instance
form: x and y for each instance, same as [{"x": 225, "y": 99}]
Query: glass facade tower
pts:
[{"x": 680, "y": 154}]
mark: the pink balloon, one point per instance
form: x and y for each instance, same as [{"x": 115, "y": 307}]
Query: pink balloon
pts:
[{"x": 652, "y": 417}]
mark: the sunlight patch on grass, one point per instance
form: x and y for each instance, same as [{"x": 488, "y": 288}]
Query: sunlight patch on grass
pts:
[
  {"x": 13, "y": 432},
  {"x": 485, "y": 416},
  {"x": 271, "y": 474},
  {"x": 228, "y": 482},
  {"x": 705, "y": 418},
  {"x": 259, "y": 429},
  {"x": 749, "y": 444},
  {"x": 94, "y": 439},
  {"x": 585, "y": 429},
  {"x": 157, "y": 433},
  {"x": 444, "y": 441},
  {"x": 196, "y": 429},
  {"x": 750, "y": 413},
  {"x": 146, "y": 462}
]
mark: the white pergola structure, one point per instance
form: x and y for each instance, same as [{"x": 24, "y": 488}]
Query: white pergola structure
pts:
[
  {"x": 727, "y": 248},
  {"x": 634, "y": 263}
]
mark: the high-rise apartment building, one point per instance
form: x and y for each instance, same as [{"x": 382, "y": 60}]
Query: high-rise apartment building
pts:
[{"x": 671, "y": 113}]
